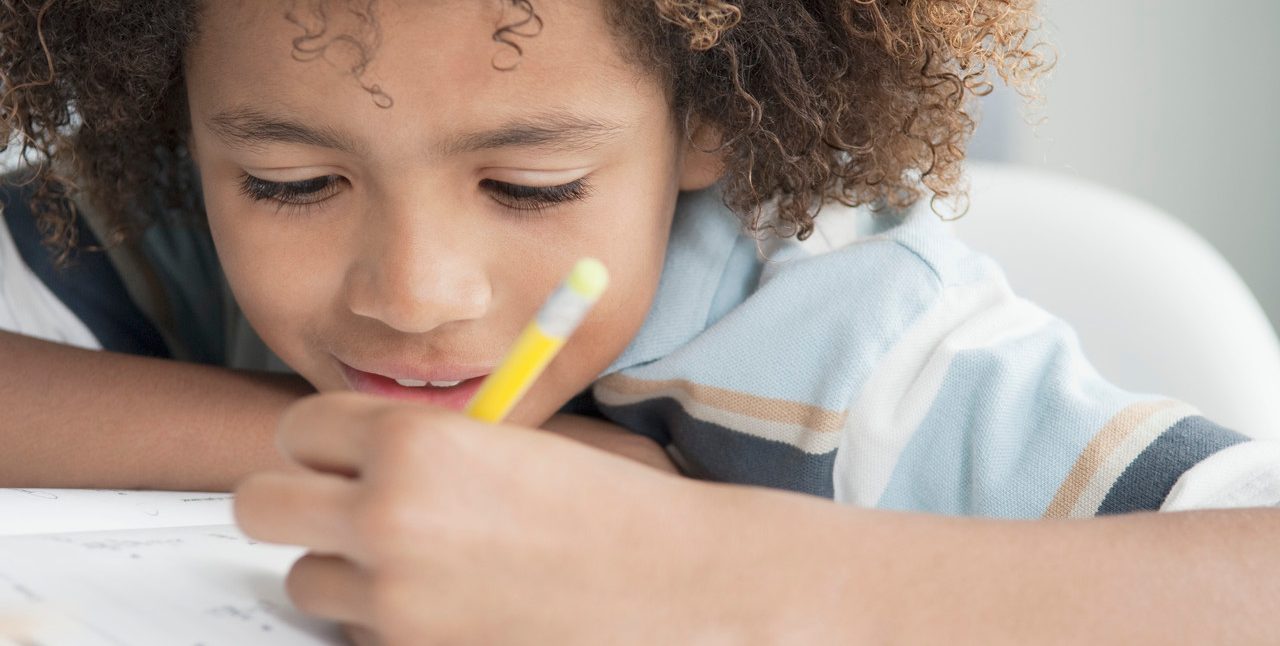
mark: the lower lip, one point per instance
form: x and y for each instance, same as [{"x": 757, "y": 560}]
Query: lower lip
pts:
[{"x": 453, "y": 397}]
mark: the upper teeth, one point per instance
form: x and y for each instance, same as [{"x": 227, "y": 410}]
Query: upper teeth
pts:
[{"x": 417, "y": 383}]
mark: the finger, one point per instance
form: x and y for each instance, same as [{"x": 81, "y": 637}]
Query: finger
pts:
[
  {"x": 330, "y": 587},
  {"x": 308, "y": 509},
  {"x": 324, "y": 432},
  {"x": 361, "y": 636}
]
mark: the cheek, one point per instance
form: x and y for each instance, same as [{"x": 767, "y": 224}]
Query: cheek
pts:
[
  {"x": 612, "y": 325},
  {"x": 279, "y": 284},
  {"x": 614, "y": 321},
  {"x": 635, "y": 260},
  {"x": 634, "y": 251}
]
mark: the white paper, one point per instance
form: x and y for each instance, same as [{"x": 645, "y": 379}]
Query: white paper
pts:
[
  {"x": 186, "y": 586},
  {"x": 47, "y": 511}
]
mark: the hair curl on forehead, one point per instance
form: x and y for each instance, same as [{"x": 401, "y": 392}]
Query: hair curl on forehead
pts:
[
  {"x": 350, "y": 32},
  {"x": 860, "y": 102},
  {"x": 527, "y": 25},
  {"x": 320, "y": 37}
]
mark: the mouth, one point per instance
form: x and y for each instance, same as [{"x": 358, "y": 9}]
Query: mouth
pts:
[{"x": 453, "y": 392}]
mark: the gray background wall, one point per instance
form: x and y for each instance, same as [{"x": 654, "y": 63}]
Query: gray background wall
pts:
[{"x": 1167, "y": 100}]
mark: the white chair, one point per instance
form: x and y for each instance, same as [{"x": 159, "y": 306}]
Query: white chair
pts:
[{"x": 1157, "y": 309}]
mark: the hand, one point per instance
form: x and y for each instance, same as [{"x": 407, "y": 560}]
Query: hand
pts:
[{"x": 427, "y": 527}]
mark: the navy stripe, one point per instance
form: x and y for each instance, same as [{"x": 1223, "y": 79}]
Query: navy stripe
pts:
[
  {"x": 713, "y": 452},
  {"x": 89, "y": 286},
  {"x": 582, "y": 404},
  {"x": 1146, "y": 482}
]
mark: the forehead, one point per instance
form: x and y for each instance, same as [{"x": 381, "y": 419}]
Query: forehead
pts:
[{"x": 442, "y": 64}]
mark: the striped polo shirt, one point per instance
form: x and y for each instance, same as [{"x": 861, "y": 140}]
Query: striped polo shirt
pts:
[
  {"x": 882, "y": 363},
  {"x": 161, "y": 295}
]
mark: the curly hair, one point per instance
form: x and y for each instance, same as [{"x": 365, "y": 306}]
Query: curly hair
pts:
[{"x": 861, "y": 102}]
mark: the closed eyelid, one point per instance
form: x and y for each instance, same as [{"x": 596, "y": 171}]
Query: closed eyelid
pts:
[
  {"x": 257, "y": 188},
  {"x": 535, "y": 198}
]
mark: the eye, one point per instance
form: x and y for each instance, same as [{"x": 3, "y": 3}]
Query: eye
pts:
[
  {"x": 299, "y": 195},
  {"x": 535, "y": 198}
]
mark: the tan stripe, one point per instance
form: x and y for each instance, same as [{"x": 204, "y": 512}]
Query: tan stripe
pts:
[
  {"x": 1123, "y": 456},
  {"x": 783, "y": 411},
  {"x": 1096, "y": 452}
]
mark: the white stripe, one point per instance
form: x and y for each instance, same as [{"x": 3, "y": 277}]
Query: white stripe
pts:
[
  {"x": 800, "y": 437},
  {"x": 1244, "y": 475},
  {"x": 29, "y": 308},
  {"x": 836, "y": 227},
  {"x": 1123, "y": 455},
  {"x": 907, "y": 379}
]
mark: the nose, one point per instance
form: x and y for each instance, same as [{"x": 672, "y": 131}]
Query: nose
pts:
[{"x": 414, "y": 275}]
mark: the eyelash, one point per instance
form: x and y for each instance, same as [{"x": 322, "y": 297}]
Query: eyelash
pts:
[
  {"x": 299, "y": 196},
  {"x": 535, "y": 199},
  {"x": 306, "y": 194}
]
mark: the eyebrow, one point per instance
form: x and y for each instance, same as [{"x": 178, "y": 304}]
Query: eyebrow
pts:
[
  {"x": 564, "y": 131},
  {"x": 251, "y": 128}
]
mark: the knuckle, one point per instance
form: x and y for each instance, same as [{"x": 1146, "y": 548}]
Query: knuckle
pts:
[
  {"x": 297, "y": 586},
  {"x": 383, "y": 518},
  {"x": 398, "y": 429},
  {"x": 320, "y": 405},
  {"x": 303, "y": 409},
  {"x": 387, "y": 600},
  {"x": 246, "y": 505},
  {"x": 402, "y": 418},
  {"x": 361, "y": 635},
  {"x": 298, "y": 418},
  {"x": 410, "y": 436}
]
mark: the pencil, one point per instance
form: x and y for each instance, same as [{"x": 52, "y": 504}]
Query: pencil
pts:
[{"x": 541, "y": 339}]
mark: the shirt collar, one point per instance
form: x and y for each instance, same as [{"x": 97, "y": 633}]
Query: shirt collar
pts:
[{"x": 703, "y": 235}]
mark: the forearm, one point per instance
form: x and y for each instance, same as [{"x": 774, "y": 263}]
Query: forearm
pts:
[
  {"x": 836, "y": 575},
  {"x": 79, "y": 418},
  {"x": 614, "y": 439}
]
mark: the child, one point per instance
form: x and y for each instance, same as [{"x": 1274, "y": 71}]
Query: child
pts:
[{"x": 393, "y": 188}]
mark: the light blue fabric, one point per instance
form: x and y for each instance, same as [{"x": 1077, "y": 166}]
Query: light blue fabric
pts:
[
  {"x": 1015, "y": 415},
  {"x": 768, "y": 383}
]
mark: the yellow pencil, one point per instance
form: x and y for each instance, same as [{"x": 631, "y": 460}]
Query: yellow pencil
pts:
[{"x": 541, "y": 339}]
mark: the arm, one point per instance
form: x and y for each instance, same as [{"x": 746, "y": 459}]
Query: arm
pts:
[
  {"x": 614, "y": 439},
  {"x": 411, "y": 514},
  {"x": 83, "y": 418},
  {"x": 891, "y": 577}
]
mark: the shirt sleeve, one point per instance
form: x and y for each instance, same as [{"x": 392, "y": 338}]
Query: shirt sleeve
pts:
[
  {"x": 27, "y": 306},
  {"x": 986, "y": 405},
  {"x": 83, "y": 303},
  {"x": 900, "y": 371},
  {"x": 162, "y": 294}
]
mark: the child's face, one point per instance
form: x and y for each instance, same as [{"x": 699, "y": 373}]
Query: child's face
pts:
[{"x": 432, "y": 237}]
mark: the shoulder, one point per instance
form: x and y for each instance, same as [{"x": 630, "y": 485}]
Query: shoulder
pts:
[
  {"x": 914, "y": 241},
  {"x": 28, "y": 305},
  {"x": 789, "y": 319},
  {"x": 860, "y": 261},
  {"x": 87, "y": 301}
]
